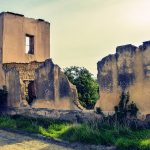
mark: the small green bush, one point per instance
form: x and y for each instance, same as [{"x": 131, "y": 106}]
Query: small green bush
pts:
[
  {"x": 125, "y": 108},
  {"x": 99, "y": 111},
  {"x": 124, "y": 144},
  {"x": 7, "y": 122},
  {"x": 144, "y": 144}
]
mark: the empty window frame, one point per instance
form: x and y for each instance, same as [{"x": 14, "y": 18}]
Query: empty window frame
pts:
[{"x": 29, "y": 44}]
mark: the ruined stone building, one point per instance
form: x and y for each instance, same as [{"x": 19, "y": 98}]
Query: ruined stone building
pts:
[
  {"x": 127, "y": 70},
  {"x": 26, "y": 70}
]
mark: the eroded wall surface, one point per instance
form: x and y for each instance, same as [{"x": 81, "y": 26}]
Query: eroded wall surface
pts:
[
  {"x": 14, "y": 28},
  {"x": 1, "y": 32},
  {"x": 2, "y": 76},
  {"x": 2, "y": 80},
  {"x": 50, "y": 88},
  {"x": 13, "y": 88},
  {"x": 127, "y": 70},
  {"x": 53, "y": 89}
]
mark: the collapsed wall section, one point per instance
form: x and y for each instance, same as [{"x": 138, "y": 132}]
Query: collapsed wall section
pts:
[
  {"x": 127, "y": 70},
  {"x": 38, "y": 85},
  {"x": 53, "y": 89}
]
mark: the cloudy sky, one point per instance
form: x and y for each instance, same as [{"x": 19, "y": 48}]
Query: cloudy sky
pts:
[{"x": 84, "y": 31}]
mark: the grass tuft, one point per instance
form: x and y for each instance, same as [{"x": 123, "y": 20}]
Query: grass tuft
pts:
[{"x": 123, "y": 137}]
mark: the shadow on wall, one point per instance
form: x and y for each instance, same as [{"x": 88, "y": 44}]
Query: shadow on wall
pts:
[
  {"x": 63, "y": 104},
  {"x": 3, "y": 96}
]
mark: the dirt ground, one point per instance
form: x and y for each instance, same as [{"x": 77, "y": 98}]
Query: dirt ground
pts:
[{"x": 17, "y": 141}]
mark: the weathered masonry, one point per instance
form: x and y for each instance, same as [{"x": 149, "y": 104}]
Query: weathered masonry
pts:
[
  {"x": 26, "y": 71},
  {"x": 23, "y": 40},
  {"x": 127, "y": 70}
]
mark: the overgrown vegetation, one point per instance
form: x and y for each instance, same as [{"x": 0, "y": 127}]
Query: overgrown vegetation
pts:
[
  {"x": 112, "y": 130},
  {"x": 86, "y": 85},
  {"x": 106, "y": 132},
  {"x": 125, "y": 109},
  {"x": 98, "y": 110}
]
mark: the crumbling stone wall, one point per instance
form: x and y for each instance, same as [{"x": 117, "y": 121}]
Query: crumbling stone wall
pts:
[
  {"x": 13, "y": 88},
  {"x": 127, "y": 70},
  {"x": 29, "y": 81},
  {"x": 53, "y": 89},
  {"x": 26, "y": 73}
]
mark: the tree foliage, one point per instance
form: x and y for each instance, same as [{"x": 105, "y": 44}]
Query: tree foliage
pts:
[{"x": 86, "y": 85}]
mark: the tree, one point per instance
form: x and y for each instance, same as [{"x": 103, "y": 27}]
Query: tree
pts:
[{"x": 87, "y": 86}]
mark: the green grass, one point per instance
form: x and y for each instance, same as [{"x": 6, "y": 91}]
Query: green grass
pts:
[{"x": 93, "y": 133}]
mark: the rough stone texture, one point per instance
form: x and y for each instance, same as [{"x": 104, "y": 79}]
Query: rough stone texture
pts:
[
  {"x": 2, "y": 76},
  {"x": 127, "y": 70},
  {"x": 53, "y": 89},
  {"x": 76, "y": 116},
  {"x": 9, "y": 80},
  {"x": 26, "y": 75},
  {"x": 13, "y": 88}
]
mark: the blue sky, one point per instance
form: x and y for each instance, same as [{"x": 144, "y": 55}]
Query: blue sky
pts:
[{"x": 84, "y": 31}]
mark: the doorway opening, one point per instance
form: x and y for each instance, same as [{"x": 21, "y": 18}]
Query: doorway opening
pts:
[{"x": 31, "y": 92}]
